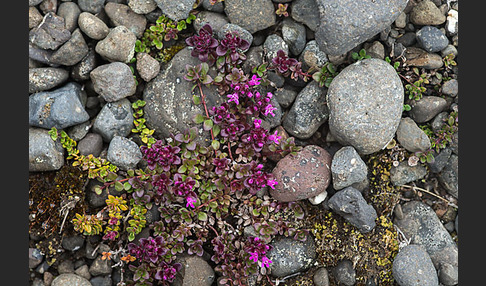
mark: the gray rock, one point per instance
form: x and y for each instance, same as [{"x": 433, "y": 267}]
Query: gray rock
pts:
[
  {"x": 77, "y": 132},
  {"x": 35, "y": 257},
  {"x": 455, "y": 143},
  {"x": 289, "y": 256},
  {"x": 92, "y": 6},
  {"x": 365, "y": 102},
  {"x": 276, "y": 79},
  {"x": 100, "y": 267},
  {"x": 448, "y": 176},
  {"x": 407, "y": 39},
  {"x": 251, "y": 15},
  {"x": 306, "y": 12},
  {"x": 404, "y": 173},
  {"x": 50, "y": 33},
  {"x": 418, "y": 57},
  {"x": 346, "y": 24},
  {"x": 34, "y": 2},
  {"x": 312, "y": 56},
  {"x": 147, "y": 66},
  {"x": 118, "y": 45},
  {"x": 113, "y": 81},
  {"x": 426, "y": 13},
  {"x": 35, "y": 17},
  {"x": 440, "y": 160},
  {"x": 350, "y": 204},
  {"x": 439, "y": 121},
  {"x": 218, "y": 7},
  {"x": 375, "y": 50},
  {"x": 293, "y": 33},
  {"x": 122, "y": 15},
  {"x": 411, "y": 137},
  {"x": 285, "y": 96},
  {"x": 421, "y": 225},
  {"x": 272, "y": 44},
  {"x": 45, "y": 78},
  {"x": 92, "y": 143},
  {"x": 124, "y": 153},
  {"x": 48, "y": 6},
  {"x": 310, "y": 178},
  {"x": 58, "y": 108},
  {"x": 276, "y": 120},
  {"x": 81, "y": 70},
  {"x": 348, "y": 169},
  {"x": 83, "y": 271},
  {"x": 233, "y": 28},
  {"x": 93, "y": 26},
  {"x": 72, "y": 243},
  {"x": 70, "y": 12},
  {"x": 72, "y": 52},
  {"x": 101, "y": 281},
  {"x": 168, "y": 87},
  {"x": 308, "y": 112},
  {"x": 254, "y": 57},
  {"x": 70, "y": 279},
  {"x": 115, "y": 118},
  {"x": 432, "y": 39},
  {"x": 448, "y": 274},
  {"x": 450, "y": 87},
  {"x": 321, "y": 277},
  {"x": 142, "y": 6},
  {"x": 401, "y": 21},
  {"x": 176, "y": 10},
  {"x": 452, "y": 22},
  {"x": 344, "y": 273},
  {"x": 65, "y": 266},
  {"x": 450, "y": 49},
  {"x": 413, "y": 267},
  {"x": 216, "y": 20},
  {"x": 196, "y": 271},
  {"x": 426, "y": 108},
  {"x": 44, "y": 153}
]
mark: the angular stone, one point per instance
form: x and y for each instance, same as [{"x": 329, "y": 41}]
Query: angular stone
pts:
[
  {"x": 72, "y": 52},
  {"x": 82, "y": 70},
  {"x": 45, "y": 154},
  {"x": 432, "y": 39},
  {"x": 365, "y": 102},
  {"x": 252, "y": 15},
  {"x": 413, "y": 266},
  {"x": 50, "y": 33},
  {"x": 348, "y": 169},
  {"x": 35, "y": 17},
  {"x": 411, "y": 137},
  {"x": 176, "y": 10},
  {"x": 448, "y": 176},
  {"x": 115, "y": 118},
  {"x": 302, "y": 176},
  {"x": 113, "y": 81},
  {"x": 93, "y": 26},
  {"x": 404, "y": 173},
  {"x": 118, "y": 45},
  {"x": 122, "y": 15},
  {"x": 41, "y": 79},
  {"x": 289, "y": 256},
  {"x": 147, "y": 66}
]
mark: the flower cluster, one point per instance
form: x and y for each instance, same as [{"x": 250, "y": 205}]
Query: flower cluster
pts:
[
  {"x": 258, "y": 250},
  {"x": 203, "y": 44},
  {"x": 162, "y": 155},
  {"x": 258, "y": 179},
  {"x": 234, "y": 44}
]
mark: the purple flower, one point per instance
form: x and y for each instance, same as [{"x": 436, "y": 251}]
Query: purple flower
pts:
[
  {"x": 254, "y": 256},
  {"x": 182, "y": 187},
  {"x": 203, "y": 44},
  {"x": 233, "y": 97},
  {"x": 190, "y": 202},
  {"x": 167, "y": 272},
  {"x": 272, "y": 183},
  {"x": 257, "y": 123},
  {"x": 165, "y": 156},
  {"x": 283, "y": 63},
  {"x": 254, "y": 80},
  {"x": 274, "y": 137},
  {"x": 269, "y": 110},
  {"x": 266, "y": 262}
]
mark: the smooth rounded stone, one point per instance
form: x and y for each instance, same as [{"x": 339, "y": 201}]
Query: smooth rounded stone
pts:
[
  {"x": 403, "y": 173},
  {"x": 365, "y": 103},
  {"x": 448, "y": 274},
  {"x": 401, "y": 20},
  {"x": 45, "y": 78},
  {"x": 147, "y": 66},
  {"x": 115, "y": 118},
  {"x": 252, "y": 15},
  {"x": 450, "y": 49},
  {"x": 50, "y": 33},
  {"x": 318, "y": 199},
  {"x": 312, "y": 56},
  {"x": 411, "y": 137},
  {"x": 101, "y": 281},
  {"x": 34, "y": 2},
  {"x": 170, "y": 87},
  {"x": 196, "y": 271},
  {"x": 350, "y": 204},
  {"x": 83, "y": 271},
  {"x": 290, "y": 256},
  {"x": 44, "y": 153},
  {"x": 276, "y": 79},
  {"x": 65, "y": 266},
  {"x": 93, "y": 26},
  {"x": 124, "y": 153},
  {"x": 308, "y": 112},
  {"x": 92, "y": 6},
  {"x": 77, "y": 132},
  {"x": 432, "y": 39},
  {"x": 92, "y": 143},
  {"x": 273, "y": 43},
  {"x": 344, "y": 273},
  {"x": 348, "y": 169},
  {"x": 70, "y": 12},
  {"x": 72, "y": 52},
  {"x": 346, "y": 24},
  {"x": 413, "y": 267},
  {"x": 35, "y": 17},
  {"x": 285, "y": 96},
  {"x": 43, "y": 267},
  {"x": 408, "y": 39},
  {"x": 426, "y": 13},
  {"x": 58, "y": 108},
  {"x": 235, "y": 29},
  {"x": 218, "y": 7},
  {"x": 142, "y": 6},
  {"x": 113, "y": 81},
  {"x": 122, "y": 15},
  {"x": 418, "y": 57},
  {"x": 448, "y": 176},
  {"x": 293, "y": 33},
  {"x": 321, "y": 277},
  {"x": 35, "y": 257},
  {"x": 439, "y": 121},
  {"x": 72, "y": 243},
  {"x": 302, "y": 176},
  {"x": 440, "y": 160},
  {"x": 118, "y": 45},
  {"x": 375, "y": 50},
  {"x": 450, "y": 87},
  {"x": 426, "y": 108},
  {"x": 216, "y": 20},
  {"x": 82, "y": 70},
  {"x": 100, "y": 267},
  {"x": 70, "y": 279},
  {"x": 306, "y": 12},
  {"x": 452, "y": 22},
  {"x": 421, "y": 225},
  {"x": 176, "y": 10}
]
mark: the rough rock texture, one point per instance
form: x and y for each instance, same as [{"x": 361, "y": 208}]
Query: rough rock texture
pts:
[
  {"x": 293, "y": 34},
  {"x": 118, "y": 45},
  {"x": 44, "y": 153},
  {"x": 122, "y": 15},
  {"x": 448, "y": 177},
  {"x": 124, "y": 153},
  {"x": 71, "y": 52},
  {"x": 344, "y": 273},
  {"x": 176, "y": 10},
  {"x": 346, "y": 24},
  {"x": 411, "y": 137},
  {"x": 115, "y": 118},
  {"x": 306, "y": 12},
  {"x": 404, "y": 173},
  {"x": 290, "y": 256},
  {"x": 45, "y": 78},
  {"x": 365, "y": 102},
  {"x": 426, "y": 13},
  {"x": 196, "y": 271},
  {"x": 113, "y": 81},
  {"x": 426, "y": 108},
  {"x": 70, "y": 279},
  {"x": 302, "y": 176},
  {"x": 418, "y": 57},
  {"x": 252, "y": 15},
  {"x": 348, "y": 169},
  {"x": 413, "y": 266},
  {"x": 92, "y": 26},
  {"x": 51, "y": 33}
]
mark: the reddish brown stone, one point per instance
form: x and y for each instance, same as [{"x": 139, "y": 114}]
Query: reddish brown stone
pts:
[{"x": 302, "y": 176}]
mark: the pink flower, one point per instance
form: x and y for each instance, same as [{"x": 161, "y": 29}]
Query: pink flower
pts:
[
  {"x": 269, "y": 110},
  {"x": 266, "y": 262},
  {"x": 190, "y": 202},
  {"x": 257, "y": 123},
  {"x": 233, "y": 97},
  {"x": 274, "y": 137},
  {"x": 254, "y": 256},
  {"x": 254, "y": 80},
  {"x": 272, "y": 183}
]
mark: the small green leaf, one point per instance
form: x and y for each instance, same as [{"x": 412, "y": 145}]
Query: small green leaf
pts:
[
  {"x": 215, "y": 144},
  {"x": 118, "y": 186},
  {"x": 199, "y": 118},
  {"x": 216, "y": 130},
  {"x": 127, "y": 186},
  {"x": 208, "y": 124},
  {"x": 202, "y": 216},
  {"x": 97, "y": 189}
]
